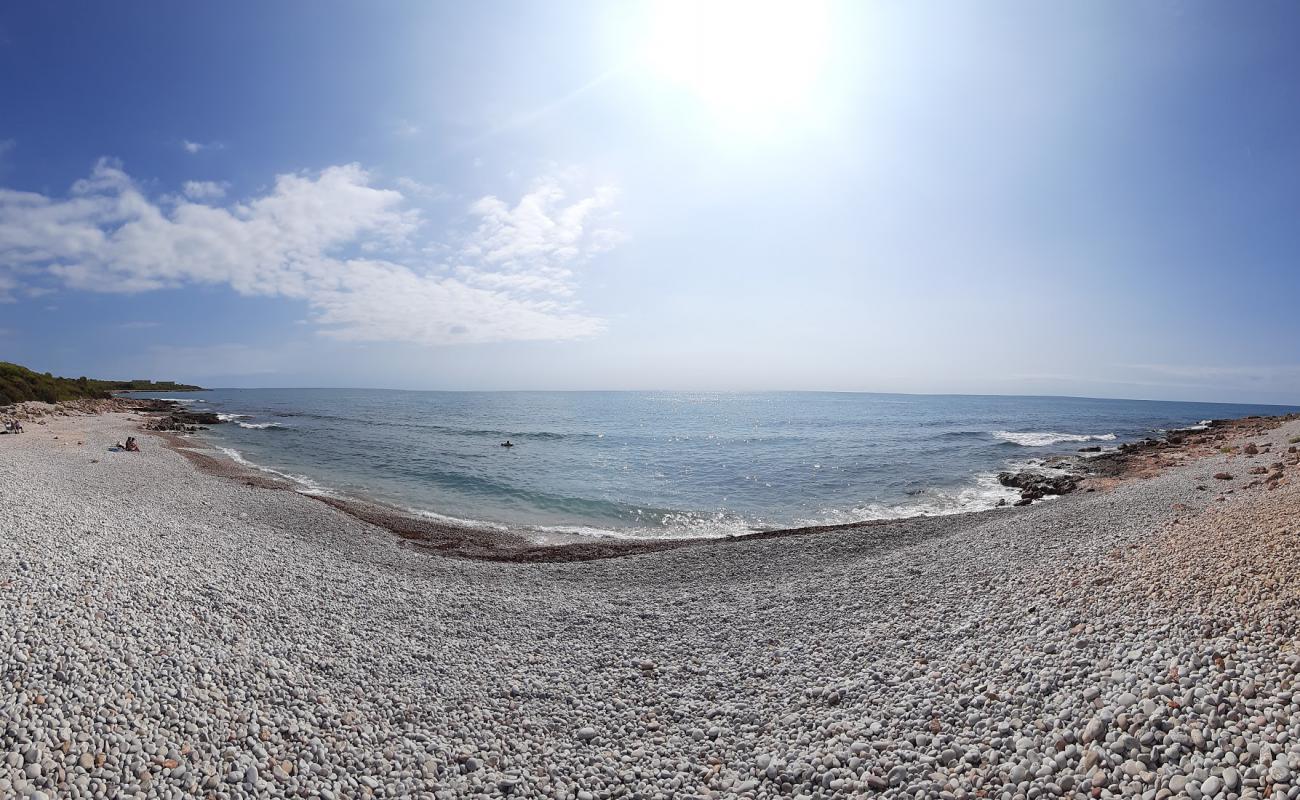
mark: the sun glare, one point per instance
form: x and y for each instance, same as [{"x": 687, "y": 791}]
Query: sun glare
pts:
[{"x": 740, "y": 57}]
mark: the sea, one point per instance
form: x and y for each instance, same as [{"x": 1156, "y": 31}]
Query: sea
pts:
[{"x": 669, "y": 464}]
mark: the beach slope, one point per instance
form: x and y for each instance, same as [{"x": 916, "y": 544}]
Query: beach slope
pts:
[{"x": 166, "y": 632}]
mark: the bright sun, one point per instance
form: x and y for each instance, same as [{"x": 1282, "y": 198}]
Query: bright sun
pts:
[{"x": 741, "y": 57}]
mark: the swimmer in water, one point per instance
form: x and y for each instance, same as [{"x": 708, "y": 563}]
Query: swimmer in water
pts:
[{"x": 507, "y": 443}]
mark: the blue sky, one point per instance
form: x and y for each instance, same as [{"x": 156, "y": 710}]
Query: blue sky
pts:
[{"x": 1090, "y": 198}]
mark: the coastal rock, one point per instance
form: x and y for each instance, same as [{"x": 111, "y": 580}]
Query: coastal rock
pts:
[
  {"x": 1223, "y": 476},
  {"x": 1036, "y": 485},
  {"x": 178, "y": 420}
]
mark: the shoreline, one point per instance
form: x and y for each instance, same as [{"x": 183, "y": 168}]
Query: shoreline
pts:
[
  {"x": 485, "y": 544},
  {"x": 1128, "y": 461},
  {"x": 175, "y": 427},
  {"x": 170, "y": 632}
]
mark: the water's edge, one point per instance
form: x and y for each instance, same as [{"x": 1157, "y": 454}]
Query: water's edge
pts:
[{"x": 649, "y": 465}]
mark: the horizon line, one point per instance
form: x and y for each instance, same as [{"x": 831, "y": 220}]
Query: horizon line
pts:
[{"x": 707, "y": 391}]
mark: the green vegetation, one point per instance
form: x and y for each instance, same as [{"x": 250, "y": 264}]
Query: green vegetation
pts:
[
  {"x": 19, "y": 383},
  {"x": 143, "y": 386}
]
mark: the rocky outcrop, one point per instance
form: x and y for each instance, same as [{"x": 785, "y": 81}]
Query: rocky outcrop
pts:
[
  {"x": 183, "y": 421},
  {"x": 1036, "y": 485}
]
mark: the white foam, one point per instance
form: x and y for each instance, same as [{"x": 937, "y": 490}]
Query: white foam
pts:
[
  {"x": 258, "y": 426},
  {"x": 1041, "y": 438},
  {"x": 468, "y": 523},
  {"x": 307, "y": 485},
  {"x": 231, "y": 417},
  {"x": 983, "y": 494},
  {"x": 679, "y": 525},
  {"x": 181, "y": 399},
  {"x": 1105, "y": 451}
]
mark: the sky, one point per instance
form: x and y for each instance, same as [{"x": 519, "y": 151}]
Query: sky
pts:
[{"x": 1091, "y": 199}]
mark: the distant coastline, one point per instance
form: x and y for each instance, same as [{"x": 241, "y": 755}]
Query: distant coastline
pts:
[{"x": 19, "y": 384}]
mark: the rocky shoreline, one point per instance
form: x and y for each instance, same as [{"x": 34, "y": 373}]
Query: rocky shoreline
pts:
[
  {"x": 159, "y": 415},
  {"x": 169, "y": 633}
]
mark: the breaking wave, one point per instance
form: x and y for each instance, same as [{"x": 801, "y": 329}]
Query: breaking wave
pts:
[
  {"x": 1042, "y": 439},
  {"x": 305, "y": 485}
]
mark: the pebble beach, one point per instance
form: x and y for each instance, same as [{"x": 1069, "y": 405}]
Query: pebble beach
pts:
[{"x": 170, "y": 633}]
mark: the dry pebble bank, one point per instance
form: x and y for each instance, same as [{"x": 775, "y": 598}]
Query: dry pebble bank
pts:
[
  {"x": 35, "y": 410},
  {"x": 168, "y": 633}
]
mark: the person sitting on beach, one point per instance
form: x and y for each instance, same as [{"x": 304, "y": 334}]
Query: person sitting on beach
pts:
[
  {"x": 507, "y": 443},
  {"x": 131, "y": 446}
]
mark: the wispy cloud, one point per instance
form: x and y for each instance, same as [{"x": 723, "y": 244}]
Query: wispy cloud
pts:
[
  {"x": 204, "y": 190},
  {"x": 1220, "y": 372},
  {"x": 194, "y": 148},
  {"x": 424, "y": 191},
  {"x": 535, "y": 244},
  {"x": 512, "y": 275}
]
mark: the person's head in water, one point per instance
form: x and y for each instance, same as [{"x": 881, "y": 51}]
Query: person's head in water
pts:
[{"x": 507, "y": 443}]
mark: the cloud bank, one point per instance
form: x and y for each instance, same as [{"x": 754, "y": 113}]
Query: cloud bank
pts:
[{"x": 349, "y": 249}]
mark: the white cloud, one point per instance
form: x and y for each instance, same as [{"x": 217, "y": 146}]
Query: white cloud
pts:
[
  {"x": 425, "y": 191},
  {"x": 535, "y": 244},
  {"x": 512, "y": 279},
  {"x": 197, "y": 147},
  {"x": 204, "y": 190}
]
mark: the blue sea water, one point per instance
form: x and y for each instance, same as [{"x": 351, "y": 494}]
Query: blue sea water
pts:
[{"x": 668, "y": 463}]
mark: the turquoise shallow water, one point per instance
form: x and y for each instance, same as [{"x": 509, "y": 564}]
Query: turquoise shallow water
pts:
[{"x": 668, "y": 463}]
